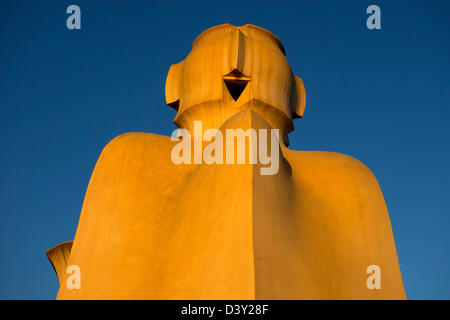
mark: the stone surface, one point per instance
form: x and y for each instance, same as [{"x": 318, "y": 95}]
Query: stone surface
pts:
[{"x": 150, "y": 229}]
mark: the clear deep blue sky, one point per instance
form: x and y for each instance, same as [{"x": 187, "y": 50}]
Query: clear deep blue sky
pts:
[{"x": 380, "y": 96}]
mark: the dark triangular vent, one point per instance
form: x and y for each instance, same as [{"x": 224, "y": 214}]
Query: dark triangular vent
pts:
[{"x": 235, "y": 87}]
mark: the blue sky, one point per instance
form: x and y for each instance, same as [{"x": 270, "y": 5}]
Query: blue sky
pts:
[{"x": 381, "y": 96}]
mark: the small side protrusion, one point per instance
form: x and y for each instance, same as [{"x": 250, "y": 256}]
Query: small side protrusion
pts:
[{"x": 59, "y": 256}]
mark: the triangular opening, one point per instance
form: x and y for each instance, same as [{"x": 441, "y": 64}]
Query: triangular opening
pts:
[{"x": 235, "y": 87}]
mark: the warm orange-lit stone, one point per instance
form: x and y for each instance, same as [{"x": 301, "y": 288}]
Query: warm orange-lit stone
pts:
[{"x": 150, "y": 229}]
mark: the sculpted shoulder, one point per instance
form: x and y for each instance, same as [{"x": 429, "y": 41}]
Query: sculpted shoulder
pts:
[
  {"x": 329, "y": 165},
  {"x": 136, "y": 145},
  {"x": 341, "y": 214},
  {"x": 136, "y": 140},
  {"x": 337, "y": 180},
  {"x": 138, "y": 154}
]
